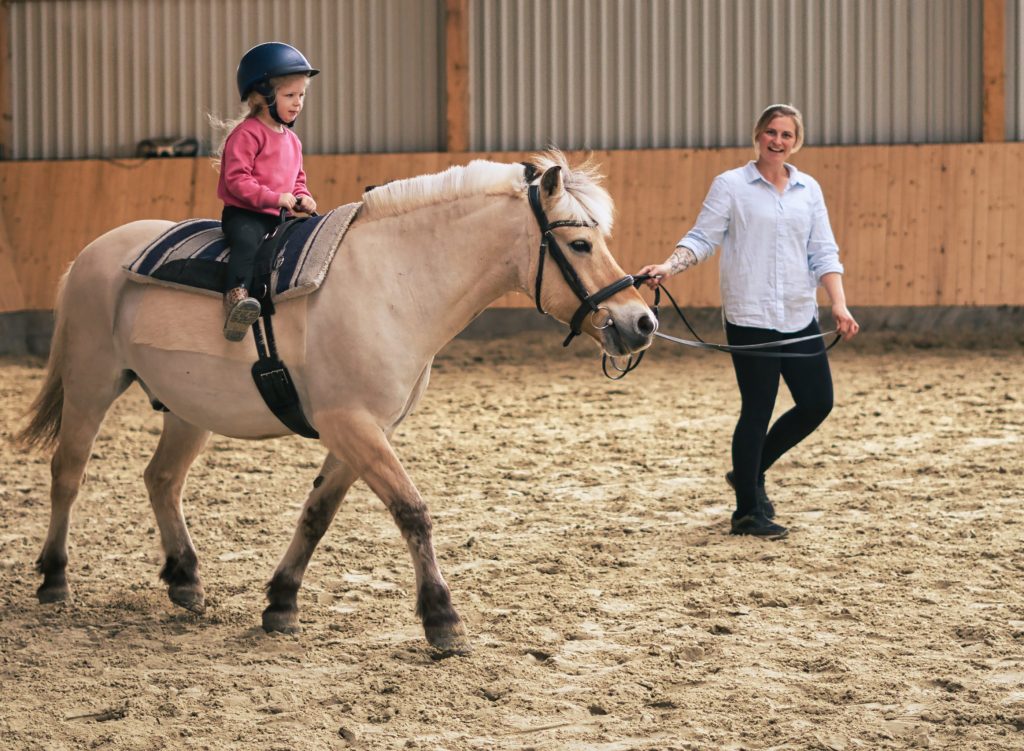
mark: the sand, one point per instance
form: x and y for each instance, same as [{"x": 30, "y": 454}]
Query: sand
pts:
[{"x": 583, "y": 528}]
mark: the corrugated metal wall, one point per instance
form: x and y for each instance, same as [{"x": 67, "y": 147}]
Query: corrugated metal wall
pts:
[
  {"x": 623, "y": 74},
  {"x": 1014, "y": 68},
  {"x": 90, "y": 78}
]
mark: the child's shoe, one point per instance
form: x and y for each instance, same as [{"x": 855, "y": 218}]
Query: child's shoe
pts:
[{"x": 241, "y": 312}]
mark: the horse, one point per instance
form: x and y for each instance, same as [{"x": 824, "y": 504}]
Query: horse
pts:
[{"x": 423, "y": 257}]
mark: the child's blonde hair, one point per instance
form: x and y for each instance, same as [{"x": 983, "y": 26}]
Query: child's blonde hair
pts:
[{"x": 254, "y": 104}]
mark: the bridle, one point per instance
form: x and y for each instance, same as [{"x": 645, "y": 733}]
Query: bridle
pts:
[{"x": 589, "y": 303}]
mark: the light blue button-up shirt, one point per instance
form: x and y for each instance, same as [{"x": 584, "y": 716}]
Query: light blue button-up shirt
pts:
[{"x": 775, "y": 247}]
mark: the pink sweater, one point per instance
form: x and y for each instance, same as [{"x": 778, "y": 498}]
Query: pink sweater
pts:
[{"x": 258, "y": 165}]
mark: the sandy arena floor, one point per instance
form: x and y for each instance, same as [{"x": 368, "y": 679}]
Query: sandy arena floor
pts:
[{"x": 582, "y": 526}]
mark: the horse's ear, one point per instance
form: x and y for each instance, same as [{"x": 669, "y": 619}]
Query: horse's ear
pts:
[{"x": 551, "y": 182}]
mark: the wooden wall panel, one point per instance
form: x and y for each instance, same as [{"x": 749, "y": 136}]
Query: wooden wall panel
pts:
[
  {"x": 1012, "y": 208},
  {"x": 960, "y": 230},
  {"x": 11, "y": 295},
  {"x": 53, "y": 209},
  {"x": 917, "y": 225}
]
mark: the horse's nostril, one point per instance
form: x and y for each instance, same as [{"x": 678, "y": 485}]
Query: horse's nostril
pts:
[{"x": 646, "y": 325}]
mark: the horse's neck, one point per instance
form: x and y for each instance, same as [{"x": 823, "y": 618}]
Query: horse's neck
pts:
[
  {"x": 452, "y": 260},
  {"x": 482, "y": 257}
]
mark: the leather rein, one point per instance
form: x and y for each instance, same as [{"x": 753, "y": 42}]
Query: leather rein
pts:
[{"x": 590, "y": 303}]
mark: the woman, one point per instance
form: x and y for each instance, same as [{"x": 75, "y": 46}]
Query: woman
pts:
[{"x": 777, "y": 247}]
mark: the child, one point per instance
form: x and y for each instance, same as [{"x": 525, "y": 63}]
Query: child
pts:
[{"x": 260, "y": 163}]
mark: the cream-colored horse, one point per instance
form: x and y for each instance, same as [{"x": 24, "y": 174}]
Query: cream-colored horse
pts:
[{"x": 422, "y": 259}]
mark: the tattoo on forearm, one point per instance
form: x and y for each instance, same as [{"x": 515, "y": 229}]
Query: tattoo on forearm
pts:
[{"x": 682, "y": 258}]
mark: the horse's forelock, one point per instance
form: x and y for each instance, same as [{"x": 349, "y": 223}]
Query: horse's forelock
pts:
[{"x": 585, "y": 198}]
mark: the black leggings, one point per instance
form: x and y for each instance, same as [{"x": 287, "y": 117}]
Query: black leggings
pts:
[
  {"x": 755, "y": 448},
  {"x": 244, "y": 231}
]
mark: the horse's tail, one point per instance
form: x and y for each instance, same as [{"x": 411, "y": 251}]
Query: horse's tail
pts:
[{"x": 44, "y": 426}]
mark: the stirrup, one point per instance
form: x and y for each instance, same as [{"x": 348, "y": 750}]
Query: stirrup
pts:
[{"x": 242, "y": 315}]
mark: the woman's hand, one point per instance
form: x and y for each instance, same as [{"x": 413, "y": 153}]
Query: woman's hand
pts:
[
  {"x": 286, "y": 201},
  {"x": 845, "y": 322},
  {"x": 833, "y": 284},
  {"x": 306, "y": 204},
  {"x": 657, "y": 271}
]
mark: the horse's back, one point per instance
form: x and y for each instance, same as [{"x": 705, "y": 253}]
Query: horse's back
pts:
[{"x": 99, "y": 266}]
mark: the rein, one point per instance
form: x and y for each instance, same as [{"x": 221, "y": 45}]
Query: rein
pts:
[
  {"x": 590, "y": 303},
  {"x": 747, "y": 350}
]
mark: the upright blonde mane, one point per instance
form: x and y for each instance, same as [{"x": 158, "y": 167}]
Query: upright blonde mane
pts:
[{"x": 584, "y": 198}]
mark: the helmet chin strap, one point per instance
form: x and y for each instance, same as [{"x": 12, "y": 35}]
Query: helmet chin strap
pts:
[
  {"x": 272, "y": 109},
  {"x": 277, "y": 117},
  {"x": 268, "y": 96}
]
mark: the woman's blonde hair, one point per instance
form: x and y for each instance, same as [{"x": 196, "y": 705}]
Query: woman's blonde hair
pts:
[
  {"x": 254, "y": 104},
  {"x": 773, "y": 111}
]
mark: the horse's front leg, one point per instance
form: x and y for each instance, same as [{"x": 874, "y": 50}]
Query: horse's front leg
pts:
[
  {"x": 366, "y": 447},
  {"x": 329, "y": 488}
]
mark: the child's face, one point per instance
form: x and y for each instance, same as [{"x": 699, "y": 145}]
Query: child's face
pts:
[{"x": 290, "y": 96}]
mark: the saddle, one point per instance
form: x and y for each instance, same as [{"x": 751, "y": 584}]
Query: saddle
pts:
[
  {"x": 293, "y": 260},
  {"x": 193, "y": 255}
]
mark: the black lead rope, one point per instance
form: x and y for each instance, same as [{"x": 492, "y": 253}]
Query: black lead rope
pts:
[
  {"x": 744, "y": 350},
  {"x": 736, "y": 349}
]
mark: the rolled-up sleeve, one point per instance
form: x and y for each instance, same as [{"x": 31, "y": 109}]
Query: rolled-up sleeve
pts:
[
  {"x": 822, "y": 251},
  {"x": 713, "y": 222}
]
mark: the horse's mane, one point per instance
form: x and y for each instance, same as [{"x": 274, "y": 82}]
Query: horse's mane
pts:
[{"x": 584, "y": 199}]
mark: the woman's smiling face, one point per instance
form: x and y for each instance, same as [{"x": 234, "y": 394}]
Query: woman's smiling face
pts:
[{"x": 778, "y": 139}]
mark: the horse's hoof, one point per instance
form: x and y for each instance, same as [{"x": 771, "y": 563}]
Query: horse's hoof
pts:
[
  {"x": 281, "y": 621},
  {"x": 53, "y": 593},
  {"x": 449, "y": 642},
  {"x": 188, "y": 596}
]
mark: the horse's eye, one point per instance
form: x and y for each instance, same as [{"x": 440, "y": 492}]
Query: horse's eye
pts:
[{"x": 580, "y": 246}]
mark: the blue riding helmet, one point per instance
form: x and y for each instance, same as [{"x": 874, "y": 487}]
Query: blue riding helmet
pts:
[{"x": 266, "y": 61}]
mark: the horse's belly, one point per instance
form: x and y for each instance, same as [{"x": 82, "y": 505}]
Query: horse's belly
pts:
[
  {"x": 207, "y": 392},
  {"x": 173, "y": 342}
]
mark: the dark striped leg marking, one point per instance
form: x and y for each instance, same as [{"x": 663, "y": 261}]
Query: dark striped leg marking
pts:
[{"x": 182, "y": 577}]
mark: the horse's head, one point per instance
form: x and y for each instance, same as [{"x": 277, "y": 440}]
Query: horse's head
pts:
[{"x": 576, "y": 278}]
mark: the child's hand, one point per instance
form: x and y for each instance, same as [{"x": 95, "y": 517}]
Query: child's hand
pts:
[
  {"x": 306, "y": 203},
  {"x": 286, "y": 201}
]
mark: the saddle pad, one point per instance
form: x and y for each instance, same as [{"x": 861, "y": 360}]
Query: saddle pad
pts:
[{"x": 193, "y": 255}]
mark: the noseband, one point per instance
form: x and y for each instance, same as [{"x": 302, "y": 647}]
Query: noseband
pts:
[{"x": 548, "y": 244}]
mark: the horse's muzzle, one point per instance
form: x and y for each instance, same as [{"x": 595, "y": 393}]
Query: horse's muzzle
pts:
[{"x": 631, "y": 330}]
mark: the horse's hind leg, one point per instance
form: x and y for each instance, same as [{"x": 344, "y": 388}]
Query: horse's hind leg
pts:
[
  {"x": 180, "y": 444},
  {"x": 365, "y": 445},
  {"x": 329, "y": 488},
  {"x": 85, "y": 403}
]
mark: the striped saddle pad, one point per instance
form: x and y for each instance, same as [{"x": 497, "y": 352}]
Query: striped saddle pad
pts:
[{"x": 193, "y": 255}]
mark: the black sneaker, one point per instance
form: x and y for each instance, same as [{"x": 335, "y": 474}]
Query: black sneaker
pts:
[
  {"x": 757, "y": 525},
  {"x": 763, "y": 501}
]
